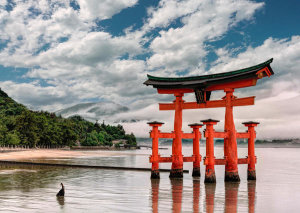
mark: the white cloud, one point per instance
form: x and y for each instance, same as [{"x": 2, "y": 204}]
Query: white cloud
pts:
[
  {"x": 29, "y": 33},
  {"x": 284, "y": 51},
  {"x": 3, "y": 3},
  {"x": 169, "y": 10},
  {"x": 104, "y": 9},
  {"x": 85, "y": 63},
  {"x": 96, "y": 64},
  {"x": 90, "y": 49},
  {"x": 184, "y": 47},
  {"x": 34, "y": 96}
]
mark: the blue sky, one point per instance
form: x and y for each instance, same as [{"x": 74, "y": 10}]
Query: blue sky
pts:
[{"x": 54, "y": 54}]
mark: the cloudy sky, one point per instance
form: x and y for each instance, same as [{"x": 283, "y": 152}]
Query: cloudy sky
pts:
[{"x": 54, "y": 54}]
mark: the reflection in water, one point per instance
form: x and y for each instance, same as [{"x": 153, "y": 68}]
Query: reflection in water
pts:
[
  {"x": 61, "y": 201},
  {"x": 25, "y": 178},
  {"x": 177, "y": 185},
  {"x": 210, "y": 189},
  {"x": 231, "y": 196},
  {"x": 155, "y": 190},
  {"x": 196, "y": 194},
  {"x": 251, "y": 196}
]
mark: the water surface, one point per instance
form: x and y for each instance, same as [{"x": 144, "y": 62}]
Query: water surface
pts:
[{"x": 33, "y": 189}]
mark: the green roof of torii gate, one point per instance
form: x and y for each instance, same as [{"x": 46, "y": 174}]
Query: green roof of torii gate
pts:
[{"x": 205, "y": 80}]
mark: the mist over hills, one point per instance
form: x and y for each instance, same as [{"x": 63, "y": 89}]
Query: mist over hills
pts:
[{"x": 93, "y": 111}]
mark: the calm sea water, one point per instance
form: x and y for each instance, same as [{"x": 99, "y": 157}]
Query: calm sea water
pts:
[{"x": 33, "y": 189}]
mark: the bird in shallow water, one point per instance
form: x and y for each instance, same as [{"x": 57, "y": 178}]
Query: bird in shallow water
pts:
[{"x": 61, "y": 192}]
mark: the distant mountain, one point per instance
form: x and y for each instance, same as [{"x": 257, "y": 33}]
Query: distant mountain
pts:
[{"x": 93, "y": 111}]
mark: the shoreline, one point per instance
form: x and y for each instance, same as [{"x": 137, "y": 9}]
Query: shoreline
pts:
[{"x": 30, "y": 154}]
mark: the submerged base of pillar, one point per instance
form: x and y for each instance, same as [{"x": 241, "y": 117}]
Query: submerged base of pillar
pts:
[
  {"x": 251, "y": 175},
  {"x": 155, "y": 174},
  {"x": 210, "y": 177},
  {"x": 176, "y": 173},
  {"x": 196, "y": 172},
  {"x": 232, "y": 177}
]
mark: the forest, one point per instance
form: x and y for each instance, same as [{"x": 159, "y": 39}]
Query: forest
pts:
[{"x": 20, "y": 126}]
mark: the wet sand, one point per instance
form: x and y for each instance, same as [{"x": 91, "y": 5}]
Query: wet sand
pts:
[{"x": 53, "y": 154}]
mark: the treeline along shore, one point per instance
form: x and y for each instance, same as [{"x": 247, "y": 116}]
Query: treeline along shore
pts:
[{"x": 21, "y": 127}]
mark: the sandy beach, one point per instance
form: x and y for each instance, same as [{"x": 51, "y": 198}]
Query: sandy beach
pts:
[{"x": 52, "y": 154}]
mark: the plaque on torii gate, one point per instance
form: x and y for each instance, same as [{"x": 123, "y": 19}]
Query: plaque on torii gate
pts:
[{"x": 202, "y": 87}]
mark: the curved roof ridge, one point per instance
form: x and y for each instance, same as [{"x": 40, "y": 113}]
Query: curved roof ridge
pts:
[{"x": 216, "y": 75}]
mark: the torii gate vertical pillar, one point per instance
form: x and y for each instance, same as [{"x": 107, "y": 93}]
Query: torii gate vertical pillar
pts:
[
  {"x": 251, "y": 150},
  {"x": 230, "y": 144},
  {"x": 154, "y": 158},
  {"x": 196, "y": 149},
  {"x": 210, "y": 176},
  {"x": 177, "y": 158}
]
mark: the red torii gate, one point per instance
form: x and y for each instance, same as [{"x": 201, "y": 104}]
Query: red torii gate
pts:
[{"x": 202, "y": 86}]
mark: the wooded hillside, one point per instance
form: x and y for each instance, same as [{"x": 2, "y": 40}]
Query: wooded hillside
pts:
[{"x": 22, "y": 127}]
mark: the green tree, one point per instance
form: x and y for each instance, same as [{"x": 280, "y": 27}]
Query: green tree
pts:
[
  {"x": 131, "y": 140},
  {"x": 104, "y": 138},
  {"x": 91, "y": 139},
  {"x": 12, "y": 138},
  {"x": 26, "y": 126},
  {"x": 3, "y": 132},
  {"x": 68, "y": 134}
]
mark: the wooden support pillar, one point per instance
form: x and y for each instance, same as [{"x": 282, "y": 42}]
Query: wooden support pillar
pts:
[
  {"x": 196, "y": 149},
  {"x": 251, "y": 149},
  {"x": 230, "y": 144},
  {"x": 154, "y": 158},
  {"x": 177, "y": 158},
  {"x": 210, "y": 176}
]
